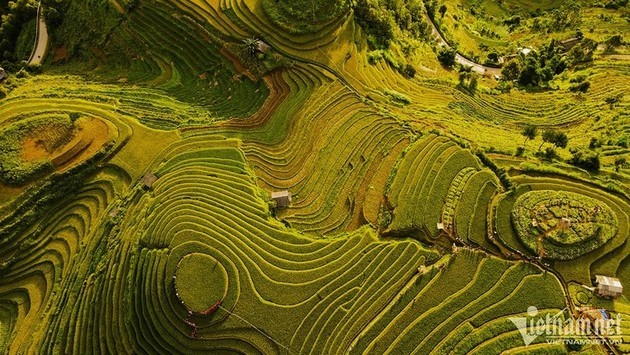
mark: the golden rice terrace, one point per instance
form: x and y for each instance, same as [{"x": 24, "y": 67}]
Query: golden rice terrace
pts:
[{"x": 315, "y": 177}]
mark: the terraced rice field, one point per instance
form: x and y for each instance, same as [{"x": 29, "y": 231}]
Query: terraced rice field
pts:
[{"x": 151, "y": 227}]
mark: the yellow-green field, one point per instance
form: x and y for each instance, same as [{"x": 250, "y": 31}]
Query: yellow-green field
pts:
[{"x": 136, "y": 174}]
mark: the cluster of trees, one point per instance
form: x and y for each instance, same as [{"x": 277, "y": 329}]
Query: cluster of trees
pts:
[
  {"x": 613, "y": 4},
  {"x": 620, "y": 162},
  {"x": 381, "y": 19},
  {"x": 15, "y": 15},
  {"x": 566, "y": 16},
  {"x": 582, "y": 52},
  {"x": 468, "y": 80},
  {"x": 304, "y": 16},
  {"x": 585, "y": 160},
  {"x": 538, "y": 68},
  {"x": 612, "y": 42},
  {"x": 446, "y": 56},
  {"x": 588, "y": 160},
  {"x": 579, "y": 84},
  {"x": 504, "y": 178},
  {"x": 556, "y": 138}
]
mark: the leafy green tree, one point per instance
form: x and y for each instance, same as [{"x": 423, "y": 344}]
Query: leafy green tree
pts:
[
  {"x": 442, "y": 10},
  {"x": 560, "y": 140},
  {"x": 446, "y": 56},
  {"x": 473, "y": 83},
  {"x": 377, "y": 22},
  {"x": 463, "y": 77},
  {"x": 583, "y": 52},
  {"x": 580, "y": 87},
  {"x": 612, "y": 42},
  {"x": 550, "y": 153},
  {"x": 511, "y": 70},
  {"x": 548, "y": 136},
  {"x": 531, "y": 73},
  {"x": 619, "y": 163},
  {"x": 493, "y": 57},
  {"x": 529, "y": 132},
  {"x": 251, "y": 45},
  {"x": 588, "y": 161},
  {"x": 409, "y": 71}
]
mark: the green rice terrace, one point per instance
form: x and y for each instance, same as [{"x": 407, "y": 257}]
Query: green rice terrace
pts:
[{"x": 315, "y": 177}]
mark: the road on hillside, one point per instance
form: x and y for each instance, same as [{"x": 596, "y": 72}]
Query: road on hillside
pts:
[
  {"x": 41, "y": 43},
  {"x": 481, "y": 69}
]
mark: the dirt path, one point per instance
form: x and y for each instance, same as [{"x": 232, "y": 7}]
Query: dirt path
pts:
[
  {"x": 481, "y": 69},
  {"x": 617, "y": 56},
  {"x": 41, "y": 34},
  {"x": 118, "y": 6}
]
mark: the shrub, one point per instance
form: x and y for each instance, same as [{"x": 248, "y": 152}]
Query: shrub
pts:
[
  {"x": 398, "y": 97},
  {"x": 558, "y": 139},
  {"x": 584, "y": 160},
  {"x": 580, "y": 87},
  {"x": 446, "y": 56},
  {"x": 583, "y": 52},
  {"x": 303, "y": 16},
  {"x": 409, "y": 71},
  {"x": 376, "y": 21},
  {"x": 500, "y": 172},
  {"x": 595, "y": 143},
  {"x": 620, "y": 162}
]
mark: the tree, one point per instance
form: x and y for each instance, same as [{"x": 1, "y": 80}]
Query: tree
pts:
[
  {"x": 583, "y": 52},
  {"x": 251, "y": 45},
  {"x": 548, "y": 136},
  {"x": 529, "y": 132},
  {"x": 579, "y": 34},
  {"x": 619, "y": 163},
  {"x": 580, "y": 87},
  {"x": 511, "y": 70},
  {"x": 550, "y": 153},
  {"x": 588, "y": 161},
  {"x": 472, "y": 84},
  {"x": 560, "y": 140},
  {"x": 463, "y": 76},
  {"x": 493, "y": 57},
  {"x": 446, "y": 56},
  {"x": 442, "y": 10},
  {"x": 469, "y": 81},
  {"x": 612, "y": 42},
  {"x": 530, "y": 74},
  {"x": 409, "y": 71}
]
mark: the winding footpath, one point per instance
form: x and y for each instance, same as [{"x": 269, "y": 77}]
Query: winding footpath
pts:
[
  {"x": 481, "y": 69},
  {"x": 41, "y": 42}
]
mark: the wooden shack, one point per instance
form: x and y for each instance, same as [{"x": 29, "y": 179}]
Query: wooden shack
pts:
[
  {"x": 564, "y": 223},
  {"x": 569, "y": 43},
  {"x": 262, "y": 47},
  {"x": 148, "y": 180},
  {"x": 606, "y": 286},
  {"x": 281, "y": 198}
]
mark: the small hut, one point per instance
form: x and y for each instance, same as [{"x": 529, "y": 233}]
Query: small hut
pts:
[
  {"x": 606, "y": 286},
  {"x": 440, "y": 226},
  {"x": 281, "y": 198},
  {"x": 262, "y": 47},
  {"x": 3, "y": 75},
  {"x": 565, "y": 223},
  {"x": 569, "y": 43},
  {"x": 148, "y": 180}
]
